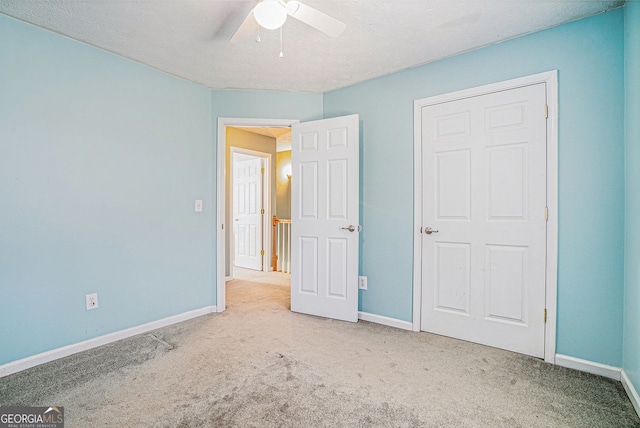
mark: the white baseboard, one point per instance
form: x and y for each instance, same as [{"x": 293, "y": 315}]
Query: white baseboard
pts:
[
  {"x": 54, "y": 354},
  {"x": 391, "y": 322},
  {"x": 228, "y": 278},
  {"x": 588, "y": 366},
  {"x": 631, "y": 391}
]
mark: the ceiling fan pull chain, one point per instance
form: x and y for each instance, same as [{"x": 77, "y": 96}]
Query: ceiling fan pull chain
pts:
[{"x": 281, "y": 54}]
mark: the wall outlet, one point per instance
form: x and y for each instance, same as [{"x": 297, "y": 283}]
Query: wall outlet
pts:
[
  {"x": 362, "y": 282},
  {"x": 198, "y": 205},
  {"x": 92, "y": 301}
]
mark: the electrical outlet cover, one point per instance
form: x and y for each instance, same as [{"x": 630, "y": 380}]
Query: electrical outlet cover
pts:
[
  {"x": 362, "y": 282},
  {"x": 92, "y": 301}
]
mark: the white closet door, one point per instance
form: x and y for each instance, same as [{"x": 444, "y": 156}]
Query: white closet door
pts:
[{"x": 484, "y": 184}]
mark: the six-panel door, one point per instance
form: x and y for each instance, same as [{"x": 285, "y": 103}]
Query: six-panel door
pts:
[
  {"x": 324, "y": 203},
  {"x": 247, "y": 212},
  {"x": 484, "y": 184}
]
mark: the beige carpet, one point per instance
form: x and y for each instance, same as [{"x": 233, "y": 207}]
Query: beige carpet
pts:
[{"x": 260, "y": 365}]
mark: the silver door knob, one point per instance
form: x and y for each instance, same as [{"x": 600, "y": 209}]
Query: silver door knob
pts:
[
  {"x": 351, "y": 228},
  {"x": 429, "y": 231}
]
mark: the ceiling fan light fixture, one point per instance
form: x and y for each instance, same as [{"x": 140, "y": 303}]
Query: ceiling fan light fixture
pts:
[{"x": 270, "y": 14}]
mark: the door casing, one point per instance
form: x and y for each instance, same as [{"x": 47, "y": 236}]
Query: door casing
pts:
[
  {"x": 550, "y": 78},
  {"x": 221, "y": 152}
]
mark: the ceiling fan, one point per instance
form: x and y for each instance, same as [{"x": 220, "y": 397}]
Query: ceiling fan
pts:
[{"x": 272, "y": 14}]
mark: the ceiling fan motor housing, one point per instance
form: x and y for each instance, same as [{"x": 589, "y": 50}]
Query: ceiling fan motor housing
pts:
[{"x": 270, "y": 14}]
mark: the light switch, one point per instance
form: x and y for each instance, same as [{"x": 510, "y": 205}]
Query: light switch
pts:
[{"x": 198, "y": 205}]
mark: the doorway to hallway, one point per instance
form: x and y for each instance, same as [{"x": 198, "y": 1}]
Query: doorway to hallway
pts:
[
  {"x": 333, "y": 274},
  {"x": 253, "y": 194}
]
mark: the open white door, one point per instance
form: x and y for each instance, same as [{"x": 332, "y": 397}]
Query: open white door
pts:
[
  {"x": 247, "y": 211},
  {"x": 325, "y": 214}
]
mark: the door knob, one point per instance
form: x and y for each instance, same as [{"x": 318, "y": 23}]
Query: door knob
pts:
[
  {"x": 351, "y": 228},
  {"x": 429, "y": 231}
]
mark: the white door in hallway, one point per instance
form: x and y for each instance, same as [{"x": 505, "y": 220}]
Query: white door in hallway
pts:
[
  {"x": 484, "y": 197},
  {"x": 247, "y": 211},
  {"x": 325, "y": 215}
]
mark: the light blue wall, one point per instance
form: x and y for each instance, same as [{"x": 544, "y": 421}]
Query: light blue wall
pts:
[
  {"x": 631, "y": 343},
  {"x": 101, "y": 160},
  {"x": 589, "y": 57},
  {"x": 265, "y": 105}
]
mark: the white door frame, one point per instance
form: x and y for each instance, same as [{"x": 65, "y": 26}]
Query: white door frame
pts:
[
  {"x": 266, "y": 204},
  {"x": 550, "y": 78},
  {"x": 223, "y": 122}
]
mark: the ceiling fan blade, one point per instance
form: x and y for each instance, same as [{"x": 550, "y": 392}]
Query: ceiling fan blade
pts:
[
  {"x": 316, "y": 19},
  {"x": 247, "y": 29}
]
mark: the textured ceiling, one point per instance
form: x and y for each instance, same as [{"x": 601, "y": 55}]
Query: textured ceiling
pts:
[
  {"x": 190, "y": 38},
  {"x": 282, "y": 135}
]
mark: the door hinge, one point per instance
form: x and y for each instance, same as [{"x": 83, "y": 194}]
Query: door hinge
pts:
[
  {"x": 261, "y": 170},
  {"x": 262, "y": 254},
  {"x": 545, "y": 315},
  {"x": 262, "y": 211},
  {"x": 546, "y": 111},
  {"x": 546, "y": 213},
  {"x": 420, "y": 229}
]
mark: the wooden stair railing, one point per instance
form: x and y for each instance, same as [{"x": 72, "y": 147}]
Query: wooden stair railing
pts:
[{"x": 274, "y": 252}]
